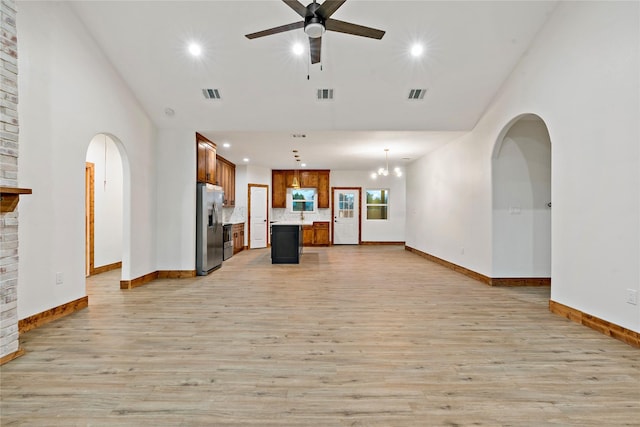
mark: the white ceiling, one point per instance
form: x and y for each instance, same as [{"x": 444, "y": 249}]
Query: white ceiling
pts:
[{"x": 471, "y": 47}]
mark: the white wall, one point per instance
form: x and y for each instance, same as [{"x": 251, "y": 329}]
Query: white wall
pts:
[
  {"x": 68, "y": 93},
  {"x": 176, "y": 200},
  {"x": 108, "y": 197},
  {"x": 581, "y": 76},
  {"x": 521, "y": 193},
  {"x": 391, "y": 230}
]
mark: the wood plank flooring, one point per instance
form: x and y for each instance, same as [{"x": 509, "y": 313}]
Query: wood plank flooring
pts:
[{"x": 352, "y": 336}]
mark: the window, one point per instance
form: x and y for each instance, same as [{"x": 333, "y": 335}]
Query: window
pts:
[
  {"x": 303, "y": 200},
  {"x": 377, "y": 204},
  {"x": 346, "y": 204}
]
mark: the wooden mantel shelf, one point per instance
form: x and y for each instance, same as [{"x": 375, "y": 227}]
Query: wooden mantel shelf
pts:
[{"x": 9, "y": 197}]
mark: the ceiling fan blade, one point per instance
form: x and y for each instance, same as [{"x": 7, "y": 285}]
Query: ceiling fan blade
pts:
[
  {"x": 297, "y": 6},
  {"x": 276, "y": 30},
  {"x": 314, "y": 49},
  {"x": 328, "y": 7},
  {"x": 353, "y": 29}
]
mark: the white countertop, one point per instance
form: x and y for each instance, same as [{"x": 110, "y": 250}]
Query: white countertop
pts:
[{"x": 292, "y": 222}]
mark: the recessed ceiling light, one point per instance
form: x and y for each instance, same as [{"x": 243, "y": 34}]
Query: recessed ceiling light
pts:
[
  {"x": 298, "y": 49},
  {"x": 195, "y": 49},
  {"x": 245, "y": 159},
  {"x": 170, "y": 112},
  {"x": 304, "y": 165},
  {"x": 417, "y": 50},
  {"x": 226, "y": 145}
]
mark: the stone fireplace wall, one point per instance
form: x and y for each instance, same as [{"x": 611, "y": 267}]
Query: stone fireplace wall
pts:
[{"x": 8, "y": 178}]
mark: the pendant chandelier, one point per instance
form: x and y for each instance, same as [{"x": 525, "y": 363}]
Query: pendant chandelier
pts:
[
  {"x": 296, "y": 181},
  {"x": 385, "y": 171}
]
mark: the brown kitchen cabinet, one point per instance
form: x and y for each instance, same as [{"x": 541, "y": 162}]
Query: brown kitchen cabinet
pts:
[
  {"x": 226, "y": 178},
  {"x": 309, "y": 179},
  {"x": 316, "y": 234},
  {"x": 278, "y": 189},
  {"x": 283, "y": 179},
  {"x": 321, "y": 233},
  {"x": 237, "y": 232},
  {"x": 307, "y": 235},
  {"x": 206, "y": 160},
  {"x": 323, "y": 189}
]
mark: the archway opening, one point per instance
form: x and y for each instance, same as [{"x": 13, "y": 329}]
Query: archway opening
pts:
[
  {"x": 105, "y": 180},
  {"x": 521, "y": 187}
]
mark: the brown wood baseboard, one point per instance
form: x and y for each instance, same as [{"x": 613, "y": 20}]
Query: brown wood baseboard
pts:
[
  {"x": 160, "y": 274},
  {"x": 383, "y": 243},
  {"x": 11, "y": 356},
  {"x": 455, "y": 267},
  {"x": 491, "y": 281},
  {"x": 607, "y": 328},
  {"x": 520, "y": 281},
  {"x": 52, "y": 314},
  {"x": 105, "y": 268},
  {"x": 176, "y": 274},
  {"x": 139, "y": 281}
]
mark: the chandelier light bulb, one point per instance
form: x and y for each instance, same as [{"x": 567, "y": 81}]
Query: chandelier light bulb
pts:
[
  {"x": 417, "y": 50},
  {"x": 195, "y": 49}
]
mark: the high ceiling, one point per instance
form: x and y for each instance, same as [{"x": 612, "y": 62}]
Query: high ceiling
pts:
[{"x": 470, "y": 47}]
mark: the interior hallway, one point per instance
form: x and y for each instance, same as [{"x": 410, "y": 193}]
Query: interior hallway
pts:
[{"x": 354, "y": 335}]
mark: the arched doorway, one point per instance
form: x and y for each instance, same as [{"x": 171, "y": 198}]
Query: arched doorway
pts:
[
  {"x": 106, "y": 183},
  {"x": 521, "y": 188}
]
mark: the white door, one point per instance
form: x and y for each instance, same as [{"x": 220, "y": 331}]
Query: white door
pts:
[
  {"x": 258, "y": 225},
  {"x": 346, "y": 217}
]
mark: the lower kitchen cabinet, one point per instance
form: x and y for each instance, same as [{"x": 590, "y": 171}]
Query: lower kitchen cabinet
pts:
[
  {"x": 321, "y": 233},
  {"x": 285, "y": 244},
  {"x": 307, "y": 235},
  {"x": 316, "y": 234},
  {"x": 237, "y": 232}
]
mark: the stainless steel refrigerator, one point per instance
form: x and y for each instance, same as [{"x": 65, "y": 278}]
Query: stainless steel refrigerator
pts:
[{"x": 209, "y": 247}]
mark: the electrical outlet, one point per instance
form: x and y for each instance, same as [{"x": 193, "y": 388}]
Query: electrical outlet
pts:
[
  {"x": 632, "y": 296},
  {"x": 59, "y": 278}
]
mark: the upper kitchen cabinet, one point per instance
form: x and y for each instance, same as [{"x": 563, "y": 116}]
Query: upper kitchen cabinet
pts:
[
  {"x": 226, "y": 178},
  {"x": 283, "y": 179},
  {"x": 206, "y": 160},
  {"x": 323, "y": 189},
  {"x": 278, "y": 189},
  {"x": 309, "y": 179}
]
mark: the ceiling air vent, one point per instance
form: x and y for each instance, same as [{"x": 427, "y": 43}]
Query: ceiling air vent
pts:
[
  {"x": 211, "y": 93},
  {"x": 417, "y": 93},
  {"x": 325, "y": 94}
]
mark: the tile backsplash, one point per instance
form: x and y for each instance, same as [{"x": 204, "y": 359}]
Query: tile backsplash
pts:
[
  {"x": 286, "y": 215},
  {"x": 234, "y": 214}
]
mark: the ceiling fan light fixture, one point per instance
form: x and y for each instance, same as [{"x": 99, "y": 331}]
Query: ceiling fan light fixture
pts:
[{"x": 314, "y": 29}]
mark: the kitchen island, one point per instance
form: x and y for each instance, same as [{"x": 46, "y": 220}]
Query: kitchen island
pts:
[{"x": 286, "y": 242}]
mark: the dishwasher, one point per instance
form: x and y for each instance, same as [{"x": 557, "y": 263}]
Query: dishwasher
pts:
[{"x": 227, "y": 241}]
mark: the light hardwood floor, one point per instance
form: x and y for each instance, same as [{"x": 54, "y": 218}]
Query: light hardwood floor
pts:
[{"x": 353, "y": 336}]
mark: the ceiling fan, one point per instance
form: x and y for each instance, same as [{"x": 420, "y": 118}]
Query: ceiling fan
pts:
[{"x": 317, "y": 19}]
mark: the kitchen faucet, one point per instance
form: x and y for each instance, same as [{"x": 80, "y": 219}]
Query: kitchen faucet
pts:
[{"x": 301, "y": 215}]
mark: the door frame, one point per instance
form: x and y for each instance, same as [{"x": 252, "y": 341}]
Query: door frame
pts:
[
  {"x": 249, "y": 187},
  {"x": 359, "y": 190},
  {"x": 89, "y": 177}
]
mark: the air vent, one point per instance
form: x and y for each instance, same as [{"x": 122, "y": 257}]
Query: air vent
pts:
[
  {"x": 211, "y": 93},
  {"x": 417, "y": 93},
  {"x": 325, "y": 94}
]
